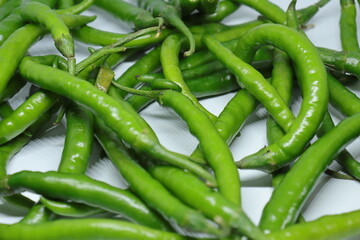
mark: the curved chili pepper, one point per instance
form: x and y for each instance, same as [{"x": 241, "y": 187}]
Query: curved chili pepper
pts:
[
  {"x": 16, "y": 46},
  {"x": 211, "y": 203},
  {"x": 95, "y": 36},
  {"x": 159, "y": 198},
  {"x": 87, "y": 228},
  {"x": 169, "y": 57},
  {"x": 348, "y": 31},
  {"x": 253, "y": 81},
  {"x": 337, "y": 227},
  {"x": 83, "y": 189},
  {"x": 25, "y": 115},
  {"x": 287, "y": 198},
  {"x": 134, "y": 130},
  {"x": 312, "y": 79}
]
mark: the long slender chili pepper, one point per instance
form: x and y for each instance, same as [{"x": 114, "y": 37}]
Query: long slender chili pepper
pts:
[
  {"x": 120, "y": 117},
  {"x": 171, "y": 16},
  {"x": 9, "y": 24},
  {"x": 267, "y": 9},
  {"x": 286, "y": 200},
  {"x": 335, "y": 227},
  {"x": 76, "y": 9},
  {"x": 253, "y": 81},
  {"x": 201, "y": 197},
  {"x": 42, "y": 14},
  {"x": 348, "y": 62},
  {"x": 36, "y": 215},
  {"x": 139, "y": 17},
  {"x": 159, "y": 198},
  {"x": 8, "y": 150},
  {"x": 310, "y": 72},
  {"x": 215, "y": 150},
  {"x": 342, "y": 98},
  {"x": 169, "y": 57},
  {"x": 78, "y": 142},
  {"x": 16, "y": 46},
  {"x": 81, "y": 188},
  {"x": 88, "y": 228},
  {"x": 72, "y": 209},
  {"x": 95, "y": 36},
  {"x": 25, "y": 115},
  {"x": 344, "y": 158},
  {"x": 146, "y": 64},
  {"x": 348, "y": 32}
]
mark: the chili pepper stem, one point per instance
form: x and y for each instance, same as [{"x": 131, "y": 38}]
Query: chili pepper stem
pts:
[{"x": 150, "y": 94}]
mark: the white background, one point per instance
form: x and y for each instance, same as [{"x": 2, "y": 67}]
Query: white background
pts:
[{"x": 331, "y": 196}]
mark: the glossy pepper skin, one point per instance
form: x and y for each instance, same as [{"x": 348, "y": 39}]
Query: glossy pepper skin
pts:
[
  {"x": 195, "y": 193},
  {"x": 215, "y": 149},
  {"x": 136, "y": 16},
  {"x": 25, "y": 115},
  {"x": 117, "y": 114},
  {"x": 152, "y": 191},
  {"x": 286, "y": 200},
  {"x": 311, "y": 74},
  {"x": 84, "y": 229},
  {"x": 335, "y": 227},
  {"x": 16, "y": 46},
  {"x": 83, "y": 189}
]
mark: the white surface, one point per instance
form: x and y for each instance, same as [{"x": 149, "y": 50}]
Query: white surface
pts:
[{"x": 332, "y": 195}]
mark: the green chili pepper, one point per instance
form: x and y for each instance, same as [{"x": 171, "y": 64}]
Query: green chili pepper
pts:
[
  {"x": 80, "y": 188},
  {"x": 253, "y": 81},
  {"x": 344, "y": 158},
  {"x": 342, "y": 98},
  {"x": 13, "y": 87},
  {"x": 26, "y": 115},
  {"x": 78, "y": 141},
  {"x": 8, "y": 7},
  {"x": 312, "y": 80},
  {"x": 75, "y": 9},
  {"x": 38, "y": 214},
  {"x": 42, "y": 14},
  {"x": 285, "y": 202},
  {"x": 159, "y": 198},
  {"x": 267, "y": 9},
  {"x": 146, "y": 64},
  {"x": 82, "y": 229},
  {"x": 139, "y": 17},
  {"x": 134, "y": 130},
  {"x": 16, "y": 46},
  {"x": 335, "y": 227},
  {"x": 170, "y": 65},
  {"x": 215, "y": 150},
  {"x": 95, "y": 36},
  {"x": 171, "y": 16},
  {"x": 348, "y": 32},
  {"x": 70, "y": 209},
  {"x": 211, "y": 203},
  {"x": 348, "y": 62},
  {"x": 10, "y": 24}
]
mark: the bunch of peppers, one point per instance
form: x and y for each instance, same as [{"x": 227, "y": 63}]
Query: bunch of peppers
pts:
[{"x": 183, "y": 53}]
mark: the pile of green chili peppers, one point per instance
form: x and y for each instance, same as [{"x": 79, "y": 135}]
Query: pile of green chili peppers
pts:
[{"x": 183, "y": 52}]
